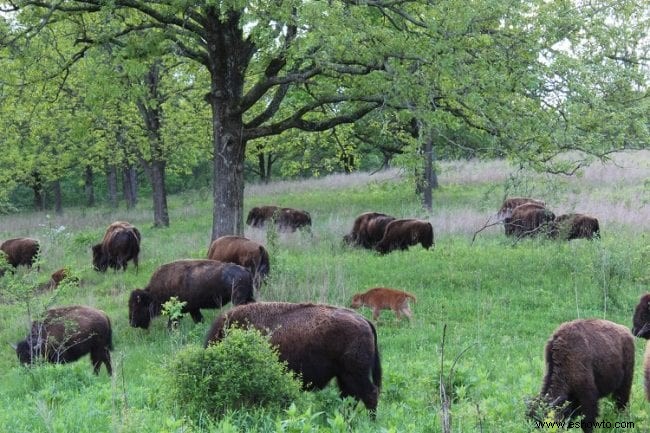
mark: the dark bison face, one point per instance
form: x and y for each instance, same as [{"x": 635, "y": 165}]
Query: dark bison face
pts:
[
  {"x": 24, "y": 352},
  {"x": 140, "y": 309},
  {"x": 641, "y": 320},
  {"x": 100, "y": 260}
]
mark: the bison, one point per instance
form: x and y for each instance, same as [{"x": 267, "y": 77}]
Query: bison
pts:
[
  {"x": 66, "y": 334},
  {"x": 575, "y": 226},
  {"x": 258, "y": 216},
  {"x": 368, "y": 229},
  {"x": 382, "y": 298},
  {"x": 56, "y": 278},
  {"x": 120, "y": 244},
  {"x": 641, "y": 329},
  {"x": 318, "y": 342},
  {"x": 585, "y": 361},
  {"x": 244, "y": 252},
  {"x": 199, "y": 283},
  {"x": 402, "y": 233},
  {"x": 511, "y": 203},
  {"x": 529, "y": 219},
  {"x": 20, "y": 251}
]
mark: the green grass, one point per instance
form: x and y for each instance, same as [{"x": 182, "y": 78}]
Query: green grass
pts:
[{"x": 499, "y": 303}]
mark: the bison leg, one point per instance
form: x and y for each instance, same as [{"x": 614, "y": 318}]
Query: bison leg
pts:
[
  {"x": 358, "y": 385},
  {"x": 196, "y": 315},
  {"x": 375, "y": 313},
  {"x": 589, "y": 408},
  {"x": 622, "y": 394},
  {"x": 99, "y": 356}
]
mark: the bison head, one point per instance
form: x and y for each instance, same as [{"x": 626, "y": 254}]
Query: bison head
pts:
[
  {"x": 356, "y": 301},
  {"x": 24, "y": 352},
  {"x": 641, "y": 320},
  {"x": 140, "y": 309},
  {"x": 100, "y": 259}
]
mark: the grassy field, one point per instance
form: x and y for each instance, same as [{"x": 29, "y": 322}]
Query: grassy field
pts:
[{"x": 497, "y": 302}]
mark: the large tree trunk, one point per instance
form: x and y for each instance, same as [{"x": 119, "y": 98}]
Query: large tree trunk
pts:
[
  {"x": 130, "y": 186},
  {"x": 427, "y": 195},
  {"x": 111, "y": 179},
  {"x": 160, "y": 214},
  {"x": 39, "y": 193},
  {"x": 89, "y": 188},
  {"x": 58, "y": 201}
]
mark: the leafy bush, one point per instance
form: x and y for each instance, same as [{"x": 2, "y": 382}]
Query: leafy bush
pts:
[{"x": 243, "y": 370}]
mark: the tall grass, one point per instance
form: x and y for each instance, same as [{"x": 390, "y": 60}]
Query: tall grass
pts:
[{"x": 499, "y": 301}]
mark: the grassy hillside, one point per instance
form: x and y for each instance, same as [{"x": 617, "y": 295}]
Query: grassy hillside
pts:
[{"x": 499, "y": 301}]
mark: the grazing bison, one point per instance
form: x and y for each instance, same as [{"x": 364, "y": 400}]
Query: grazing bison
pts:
[
  {"x": 381, "y": 298},
  {"x": 258, "y": 216},
  {"x": 587, "y": 360},
  {"x": 529, "y": 219},
  {"x": 402, "y": 233},
  {"x": 66, "y": 334},
  {"x": 641, "y": 329},
  {"x": 56, "y": 278},
  {"x": 511, "y": 203},
  {"x": 20, "y": 251},
  {"x": 290, "y": 220},
  {"x": 120, "y": 244},
  {"x": 244, "y": 252},
  {"x": 575, "y": 226},
  {"x": 368, "y": 229},
  {"x": 199, "y": 283},
  {"x": 317, "y": 341}
]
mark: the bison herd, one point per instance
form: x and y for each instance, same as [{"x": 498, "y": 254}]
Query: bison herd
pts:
[{"x": 585, "y": 359}]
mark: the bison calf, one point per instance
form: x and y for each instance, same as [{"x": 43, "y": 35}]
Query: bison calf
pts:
[
  {"x": 199, "y": 283},
  {"x": 585, "y": 361},
  {"x": 402, "y": 233},
  {"x": 20, "y": 251},
  {"x": 381, "y": 298},
  {"x": 66, "y": 334},
  {"x": 317, "y": 341},
  {"x": 243, "y": 252}
]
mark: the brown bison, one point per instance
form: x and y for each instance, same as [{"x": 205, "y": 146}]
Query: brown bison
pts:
[
  {"x": 368, "y": 229},
  {"x": 511, "y": 203},
  {"x": 20, "y": 251},
  {"x": 244, "y": 252},
  {"x": 258, "y": 216},
  {"x": 290, "y": 220},
  {"x": 66, "y": 334},
  {"x": 120, "y": 244},
  {"x": 585, "y": 361},
  {"x": 199, "y": 283},
  {"x": 402, "y": 233},
  {"x": 56, "y": 278},
  {"x": 381, "y": 298},
  {"x": 641, "y": 329},
  {"x": 317, "y": 341},
  {"x": 575, "y": 226},
  {"x": 529, "y": 219}
]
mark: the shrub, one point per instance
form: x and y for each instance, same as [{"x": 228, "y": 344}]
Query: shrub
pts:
[{"x": 243, "y": 370}]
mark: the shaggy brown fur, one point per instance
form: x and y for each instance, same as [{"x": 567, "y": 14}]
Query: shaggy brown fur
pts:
[
  {"x": 20, "y": 251},
  {"x": 402, "y": 233},
  {"x": 120, "y": 244},
  {"x": 641, "y": 329},
  {"x": 56, "y": 278},
  {"x": 290, "y": 220},
  {"x": 66, "y": 334},
  {"x": 511, "y": 203},
  {"x": 368, "y": 229},
  {"x": 258, "y": 216},
  {"x": 381, "y": 298},
  {"x": 575, "y": 226},
  {"x": 317, "y": 341},
  {"x": 585, "y": 361},
  {"x": 244, "y": 252},
  {"x": 200, "y": 283},
  {"x": 529, "y": 219}
]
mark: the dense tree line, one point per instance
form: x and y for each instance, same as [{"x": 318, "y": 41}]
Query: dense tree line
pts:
[{"x": 133, "y": 90}]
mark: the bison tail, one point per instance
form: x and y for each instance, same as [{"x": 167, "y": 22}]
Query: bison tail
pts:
[{"x": 376, "y": 362}]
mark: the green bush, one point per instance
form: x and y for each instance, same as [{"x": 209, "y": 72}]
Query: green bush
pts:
[{"x": 243, "y": 370}]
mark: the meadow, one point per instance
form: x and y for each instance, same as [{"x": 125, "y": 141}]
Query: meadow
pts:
[{"x": 484, "y": 311}]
